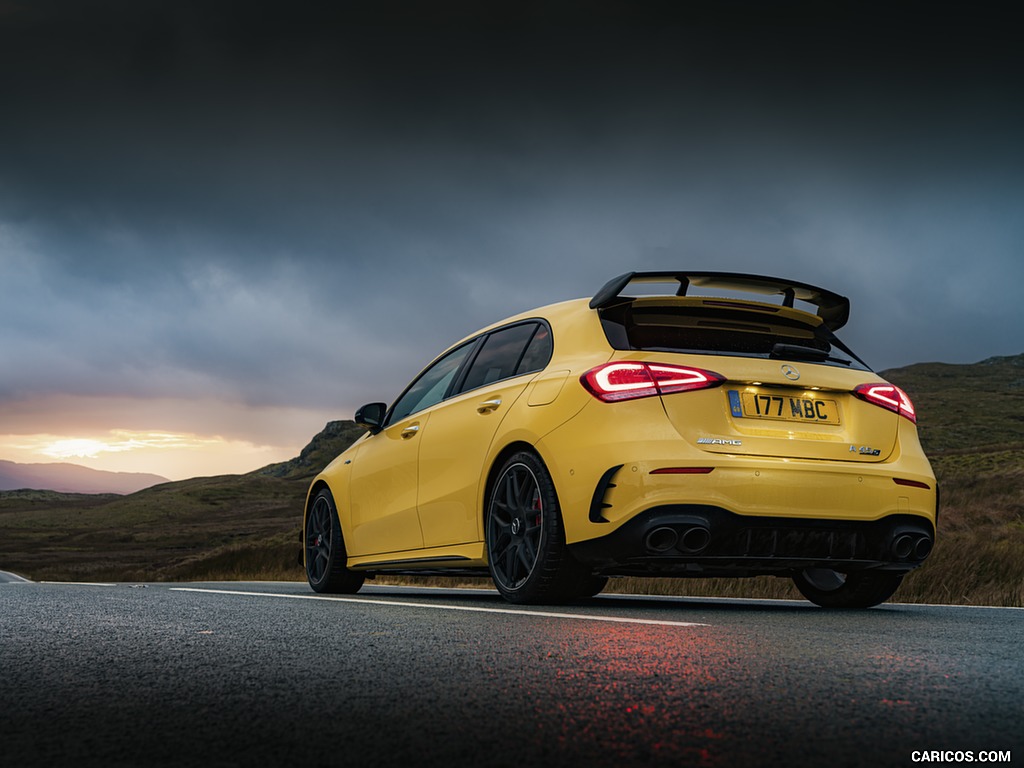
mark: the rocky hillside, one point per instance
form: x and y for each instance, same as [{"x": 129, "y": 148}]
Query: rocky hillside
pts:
[{"x": 328, "y": 443}]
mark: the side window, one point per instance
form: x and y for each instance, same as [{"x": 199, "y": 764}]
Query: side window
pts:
[
  {"x": 430, "y": 388},
  {"x": 499, "y": 356},
  {"x": 538, "y": 353}
]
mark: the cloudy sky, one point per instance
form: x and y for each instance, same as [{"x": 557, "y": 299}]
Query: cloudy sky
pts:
[{"x": 222, "y": 225}]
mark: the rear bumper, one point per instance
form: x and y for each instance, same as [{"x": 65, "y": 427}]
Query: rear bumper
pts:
[
  {"x": 609, "y": 466},
  {"x": 701, "y": 540}
]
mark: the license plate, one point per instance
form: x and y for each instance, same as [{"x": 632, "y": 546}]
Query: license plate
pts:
[{"x": 777, "y": 407}]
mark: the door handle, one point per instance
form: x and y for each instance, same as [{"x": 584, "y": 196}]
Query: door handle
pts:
[
  {"x": 410, "y": 431},
  {"x": 488, "y": 405}
]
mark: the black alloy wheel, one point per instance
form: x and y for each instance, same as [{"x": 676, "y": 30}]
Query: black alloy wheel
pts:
[
  {"x": 325, "y": 555},
  {"x": 526, "y": 550},
  {"x": 516, "y": 526}
]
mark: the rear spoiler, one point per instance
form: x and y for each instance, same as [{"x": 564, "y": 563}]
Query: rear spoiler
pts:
[{"x": 833, "y": 309}]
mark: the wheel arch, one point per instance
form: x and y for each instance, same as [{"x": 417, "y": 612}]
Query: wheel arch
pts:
[
  {"x": 492, "y": 474},
  {"x": 332, "y": 574},
  {"x": 317, "y": 485}
]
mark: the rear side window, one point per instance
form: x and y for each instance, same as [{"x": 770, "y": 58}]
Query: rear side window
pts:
[
  {"x": 718, "y": 331},
  {"x": 509, "y": 352},
  {"x": 538, "y": 353}
]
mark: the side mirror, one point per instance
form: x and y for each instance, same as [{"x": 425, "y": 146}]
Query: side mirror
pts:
[{"x": 372, "y": 416}]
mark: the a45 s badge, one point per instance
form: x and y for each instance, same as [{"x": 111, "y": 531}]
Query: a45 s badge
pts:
[{"x": 865, "y": 450}]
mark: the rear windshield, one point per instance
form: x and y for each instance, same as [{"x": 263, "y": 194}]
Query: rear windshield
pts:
[{"x": 723, "y": 331}]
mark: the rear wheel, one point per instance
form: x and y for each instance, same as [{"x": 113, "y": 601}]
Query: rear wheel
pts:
[
  {"x": 526, "y": 550},
  {"x": 832, "y": 589},
  {"x": 325, "y": 549}
]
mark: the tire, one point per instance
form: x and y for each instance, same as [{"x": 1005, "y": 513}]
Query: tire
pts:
[
  {"x": 591, "y": 586},
  {"x": 325, "y": 555},
  {"x": 832, "y": 589},
  {"x": 526, "y": 551}
]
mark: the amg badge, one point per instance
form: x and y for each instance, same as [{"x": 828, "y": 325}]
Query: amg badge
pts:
[{"x": 717, "y": 441}]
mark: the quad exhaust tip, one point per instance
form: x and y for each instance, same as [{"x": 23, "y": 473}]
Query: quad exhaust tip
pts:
[
  {"x": 902, "y": 546},
  {"x": 695, "y": 539},
  {"x": 661, "y": 539},
  {"x": 907, "y": 546},
  {"x": 691, "y": 541},
  {"x": 923, "y": 548}
]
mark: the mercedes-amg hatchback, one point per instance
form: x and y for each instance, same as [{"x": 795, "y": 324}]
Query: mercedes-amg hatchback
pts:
[{"x": 661, "y": 434}]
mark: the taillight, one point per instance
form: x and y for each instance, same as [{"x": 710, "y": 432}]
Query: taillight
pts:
[
  {"x": 627, "y": 380},
  {"x": 887, "y": 396}
]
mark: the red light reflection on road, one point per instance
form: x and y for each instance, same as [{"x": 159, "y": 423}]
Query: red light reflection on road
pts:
[{"x": 622, "y": 685}]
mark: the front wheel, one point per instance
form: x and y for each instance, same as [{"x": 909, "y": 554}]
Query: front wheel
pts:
[
  {"x": 526, "y": 551},
  {"x": 832, "y": 589},
  {"x": 325, "y": 550}
]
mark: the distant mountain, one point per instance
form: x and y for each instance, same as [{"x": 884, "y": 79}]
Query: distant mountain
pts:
[{"x": 72, "y": 478}]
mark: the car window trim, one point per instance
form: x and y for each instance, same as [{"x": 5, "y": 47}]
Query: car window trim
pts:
[
  {"x": 464, "y": 374},
  {"x": 460, "y": 375},
  {"x": 537, "y": 322},
  {"x": 522, "y": 353}
]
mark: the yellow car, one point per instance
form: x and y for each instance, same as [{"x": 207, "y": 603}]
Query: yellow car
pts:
[{"x": 650, "y": 432}]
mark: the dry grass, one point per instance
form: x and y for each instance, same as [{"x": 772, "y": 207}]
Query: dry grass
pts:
[{"x": 979, "y": 556}]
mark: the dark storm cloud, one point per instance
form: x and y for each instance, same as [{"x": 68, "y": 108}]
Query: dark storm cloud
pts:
[{"x": 303, "y": 204}]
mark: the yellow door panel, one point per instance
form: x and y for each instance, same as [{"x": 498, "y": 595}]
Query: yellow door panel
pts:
[
  {"x": 452, "y": 453},
  {"x": 383, "y": 483}
]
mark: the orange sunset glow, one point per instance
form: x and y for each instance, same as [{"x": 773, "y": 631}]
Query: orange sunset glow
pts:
[
  {"x": 175, "y": 456},
  {"x": 193, "y": 437}
]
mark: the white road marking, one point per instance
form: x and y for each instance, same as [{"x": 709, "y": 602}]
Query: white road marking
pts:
[
  {"x": 80, "y": 583},
  {"x": 694, "y": 599},
  {"x": 466, "y": 608}
]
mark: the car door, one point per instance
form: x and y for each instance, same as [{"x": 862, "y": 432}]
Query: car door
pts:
[
  {"x": 455, "y": 444},
  {"x": 384, "y": 479}
]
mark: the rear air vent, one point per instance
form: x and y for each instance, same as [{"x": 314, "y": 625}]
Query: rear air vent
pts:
[{"x": 597, "y": 503}]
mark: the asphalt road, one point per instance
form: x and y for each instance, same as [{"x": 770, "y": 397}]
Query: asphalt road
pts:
[{"x": 253, "y": 674}]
